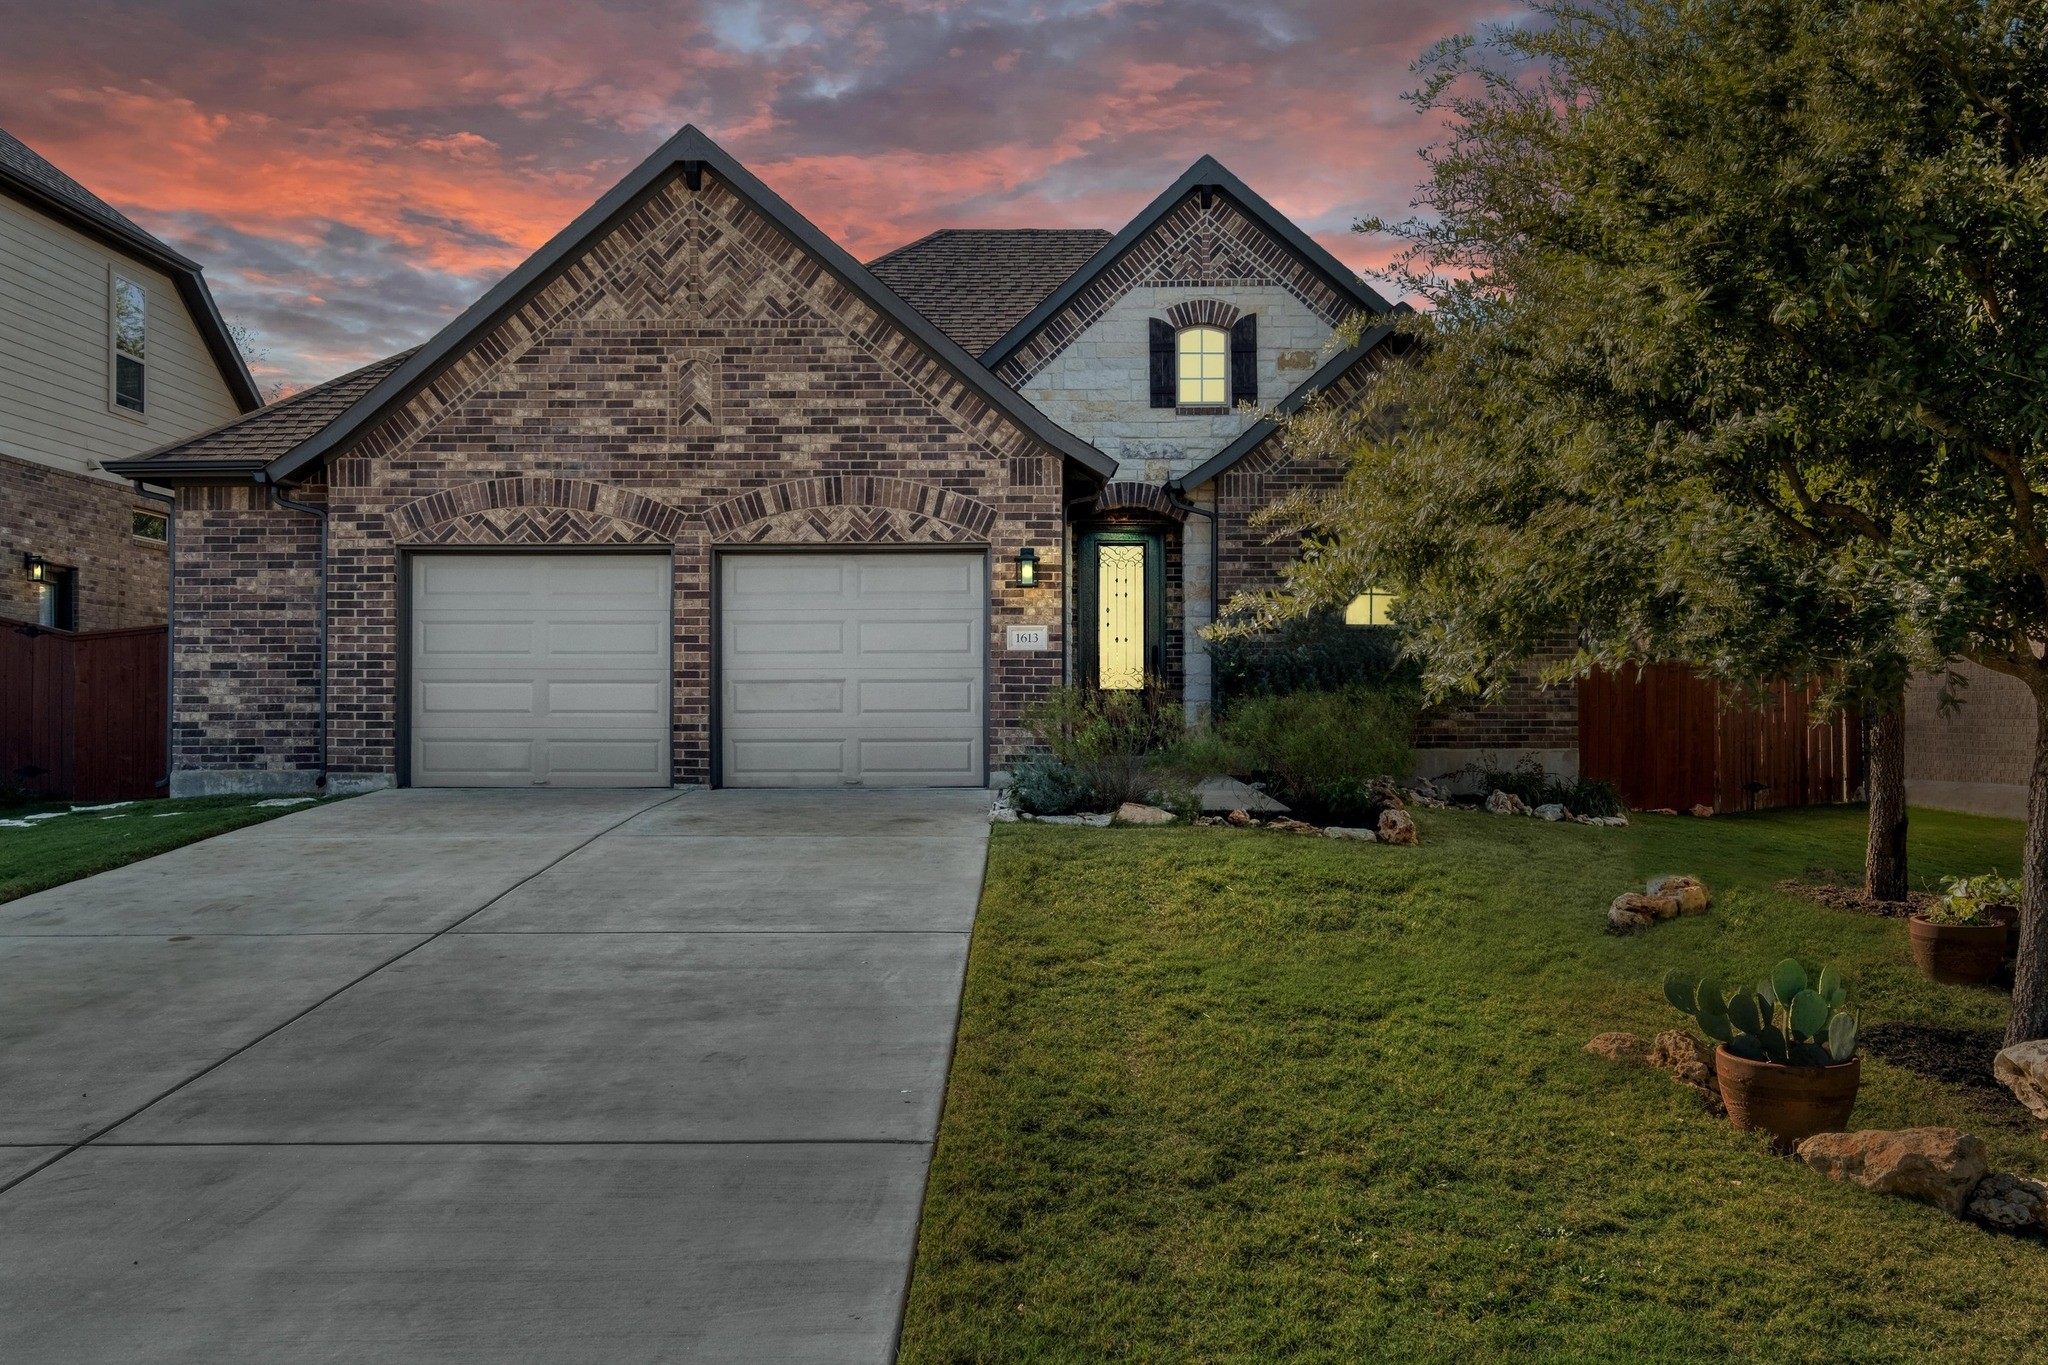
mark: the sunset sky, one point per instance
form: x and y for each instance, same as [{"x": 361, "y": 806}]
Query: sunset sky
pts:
[{"x": 352, "y": 174}]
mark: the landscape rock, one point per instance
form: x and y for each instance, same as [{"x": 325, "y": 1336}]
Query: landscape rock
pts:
[
  {"x": 2010, "y": 1203},
  {"x": 1623, "y": 921},
  {"x": 1549, "y": 810},
  {"x": 1690, "y": 893},
  {"x": 1096, "y": 821},
  {"x": 1938, "y": 1166},
  {"x": 1344, "y": 832},
  {"x": 1506, "y": 803},
  {"x": 1649, "y": 907},
  {"x": 1703, "y": 812},
  {"x": 1002, "y": 815},
  {"x": 1239, "y": 817},
  {"x": 1605, "y": 821},
  {"x": 1136, "y": 813},
  {"x": 1688, "y": 1060},
  {"x": 1426, "y": 794},
  {"x": 1619, "y": 1047},
  {"x": 1397, "y": 827},
  {"x": 1292, "y": 826},
  {"x": 1660, "y": 810},
  {"x": 2023, "y": 1069}
]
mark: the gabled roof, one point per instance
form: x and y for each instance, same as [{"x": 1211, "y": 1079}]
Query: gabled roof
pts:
[
  {"x": 1331, "y": 372},
  {"x": 687, "y": 152},
  {"x": 30, "y": 178},
  {"x": 1208, "y": 173},
  {"x": 245, "y": 444},
  {"x": 977, "y": 283}
]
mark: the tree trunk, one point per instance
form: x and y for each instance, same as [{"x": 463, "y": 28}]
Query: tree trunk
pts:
[
  {"x": 2030, "y": 972},
  {"x": 1884, "y": 856}
]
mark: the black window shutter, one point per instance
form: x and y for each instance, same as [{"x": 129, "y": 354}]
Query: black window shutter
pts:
[
  {"x": 1244, "y": 360},
  {"x": 1163, "y": 388}
]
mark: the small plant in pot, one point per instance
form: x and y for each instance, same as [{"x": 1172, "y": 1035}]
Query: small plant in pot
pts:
[
  {"x": 1963, "y": 938},
  {"x": 1787, "y": 1062}
]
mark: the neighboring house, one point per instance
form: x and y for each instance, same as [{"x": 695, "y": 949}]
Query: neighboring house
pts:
[
  {"x": 109, "y": 346},
  {"x": 692, "y": 495}
]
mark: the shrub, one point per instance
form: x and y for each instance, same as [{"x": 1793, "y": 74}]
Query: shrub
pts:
[
  {"x": 1320, "y": 751},
  {"x": 1315, "y": 654},
  {"x": 1042, "y": 785},
  {"x": 1592, "y": 796},
  {"x": 1968, "y": 900},
  {"x": 1109, "y": 738}
]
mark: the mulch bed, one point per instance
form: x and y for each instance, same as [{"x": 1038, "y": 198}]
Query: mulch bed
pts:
[
  {"x": 1851, "y": 898},
  {"x": 1954, "y": 1056}
]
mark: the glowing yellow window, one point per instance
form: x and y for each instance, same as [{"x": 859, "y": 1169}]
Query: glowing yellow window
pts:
[
  {"x": 1204, "y": 367},
  {"x": 1373, "y": 607}
]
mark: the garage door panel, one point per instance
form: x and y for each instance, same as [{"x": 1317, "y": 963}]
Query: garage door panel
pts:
[
  {"x": 855, "y": 668},
  {"x": 540, "y": 669},
  {"x": 789, "y": 697}
]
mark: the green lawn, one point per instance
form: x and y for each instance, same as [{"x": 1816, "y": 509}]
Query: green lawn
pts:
[
  {"x": 1234, "y": 1095},
  {"x": 80, "y": 842}
]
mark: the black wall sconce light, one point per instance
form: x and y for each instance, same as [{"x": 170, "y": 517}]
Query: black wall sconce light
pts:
[
  {"x": 1027, "y": 567},
  {"x": 36, "y": 567}
]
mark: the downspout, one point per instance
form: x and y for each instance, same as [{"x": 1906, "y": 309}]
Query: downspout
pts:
[
  {"x": 1173, "y": 495},
  {"x": 170, "y": 502},
  {"x": 278, "y": 499}
]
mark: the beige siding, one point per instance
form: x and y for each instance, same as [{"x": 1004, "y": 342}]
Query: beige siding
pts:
[{"x": 55, "y": 406}]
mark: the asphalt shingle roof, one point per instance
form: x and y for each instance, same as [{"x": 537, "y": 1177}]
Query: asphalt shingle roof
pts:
[
  {"x": 975, "y": 284},
  {"x": 269, "y": 432}
]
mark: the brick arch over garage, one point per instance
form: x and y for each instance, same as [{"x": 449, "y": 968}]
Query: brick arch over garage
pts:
[
  {"x": 849, "y": 509},
  {"x": 536, "y": 510}
]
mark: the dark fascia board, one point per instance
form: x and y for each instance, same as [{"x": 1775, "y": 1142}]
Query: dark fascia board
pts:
[
  {"x": 1329, "y": 373},
  {"x": 185, "y": 274},
  {"x": 1210, "y": 173},
  {"x": 689, "y": 145},
  {"x": 159, "y": 471}
]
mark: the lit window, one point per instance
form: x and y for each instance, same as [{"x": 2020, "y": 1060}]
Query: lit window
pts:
[
  {"x": 1372, "y": 607},
  {"x": 151, "y": 526},
  {"x": 130, "y": 310},
  {"x": 1204, "y": 367}
]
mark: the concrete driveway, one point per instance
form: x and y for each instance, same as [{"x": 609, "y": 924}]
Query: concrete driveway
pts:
[{"x": 486, "y": 1076}]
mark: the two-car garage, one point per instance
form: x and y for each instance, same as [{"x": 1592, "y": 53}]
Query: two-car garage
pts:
[{"x": 832, "y": 668}]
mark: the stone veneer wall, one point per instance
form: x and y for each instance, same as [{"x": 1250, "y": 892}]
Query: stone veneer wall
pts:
[
  {"x": 693, "y": 378},
  {"x": 1978, "y": 758},
  {"x": 82, "y": 523}
]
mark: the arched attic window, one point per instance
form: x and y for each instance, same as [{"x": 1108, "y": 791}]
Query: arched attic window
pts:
[{"x": 1204, "y": 356}]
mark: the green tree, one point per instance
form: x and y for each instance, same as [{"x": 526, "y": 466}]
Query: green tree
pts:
[{"x": 1735, "y": 354}]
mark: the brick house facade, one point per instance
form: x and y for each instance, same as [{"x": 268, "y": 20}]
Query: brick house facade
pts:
[{"x": 693, "y": 371}]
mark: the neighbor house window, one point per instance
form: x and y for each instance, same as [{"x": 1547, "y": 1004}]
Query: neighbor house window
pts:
[
  {"x": 1204, "y": 367},
  {"x": 1373, "y": 607},
  {"x": 150, "y": 526},
  {"x": 130, "y": 310}
]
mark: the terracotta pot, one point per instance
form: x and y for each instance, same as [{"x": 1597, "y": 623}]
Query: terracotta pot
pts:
[
  {"x": 1791, "y": 1103},
  {"x": 1957, "y": 954}
]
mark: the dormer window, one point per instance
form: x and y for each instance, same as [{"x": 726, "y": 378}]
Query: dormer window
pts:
[{"x": 1204, "y": 354}]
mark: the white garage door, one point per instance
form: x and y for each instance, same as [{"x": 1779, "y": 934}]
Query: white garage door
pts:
[
  {"x": 848, "y": 669},
  {"x": 540, "y": 670}
]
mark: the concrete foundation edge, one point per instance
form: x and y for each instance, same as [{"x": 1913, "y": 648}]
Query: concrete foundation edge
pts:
[{"x": 273, "y": 782}]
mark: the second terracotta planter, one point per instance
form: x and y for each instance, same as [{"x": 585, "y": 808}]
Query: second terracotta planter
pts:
[
  {"x": 1791, "y": 1103},
  {"x": 1957, "y": 954}
]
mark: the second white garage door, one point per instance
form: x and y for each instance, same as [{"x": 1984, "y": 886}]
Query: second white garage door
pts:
[
  {"x": 852, "y": 669},
  {"x": 536, "y": 669}
]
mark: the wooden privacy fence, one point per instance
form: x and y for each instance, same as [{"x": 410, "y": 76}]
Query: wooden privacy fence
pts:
[
  {"x": 1667, "y": 737},
  {"x": 82, "y": 713}
]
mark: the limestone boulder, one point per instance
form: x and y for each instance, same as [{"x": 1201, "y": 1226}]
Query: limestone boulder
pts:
[
  {"x": 1938, "y": 1166},
  {"x": 1347, "y": 832},
  {"x": 1549, "y": 810},
  {"x": 1136, "y": 813},
  {"x": 1625, "y": 921},
  {"x": 2023, "y": 1069},
  {"x": 1703, "y": 811},
  {"x": 1506, "y": 803},
  {"x": 1688, "y": 1060},
  {"x": 1690, "y": 892},
  {"x": 1397, "y": 827},
  {"x": 1619, "y": 1047},
  {"x": 2010, "y": 1203},
  {"x": 1649, "y": 907}
]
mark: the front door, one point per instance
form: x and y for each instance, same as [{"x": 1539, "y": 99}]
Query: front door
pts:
[{"x": 1122, "y": 609}]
